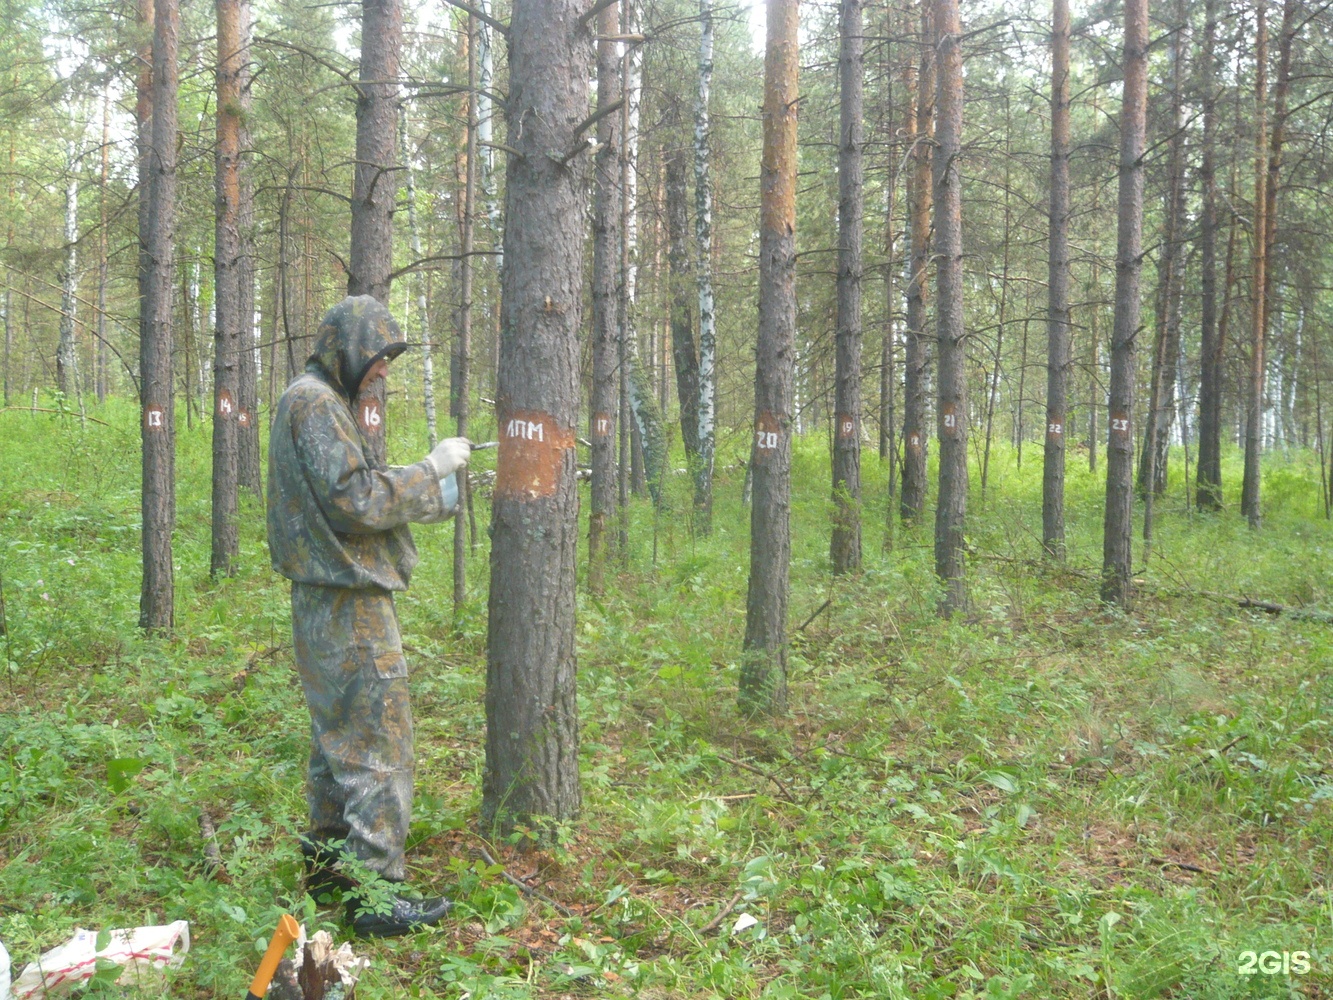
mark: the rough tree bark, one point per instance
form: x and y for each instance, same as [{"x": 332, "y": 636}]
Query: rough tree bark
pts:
[
  {"x": 1058, "y": 359},
  {"x": 763, "y": 682},
  {"x": 158, "y": 510},
  {"x": 605, "y": 300},
  {"x": 1117, "y": 534},
  {"x": 952, "y": 423},
  {"x": 635, "y": 379},
  {"x": 706, "y": 385},
  {"x": 463, "y": 348},
  {"x": 228, "y": 273},
  {"x": 1209, "y": 471},
  {"x": 845, "y": 545},
  {"x": 419, "y": 280},
  {"x": 1166, "y": 347},
  {"x": 682, "y": 326},
  {"x": 532, "y": 758},
  {"x": 1249, "y": 492},
  {"x": 375, "y": 178},
  {"x": 916, "y": 364},
  {"x": 247, "y": 418}
]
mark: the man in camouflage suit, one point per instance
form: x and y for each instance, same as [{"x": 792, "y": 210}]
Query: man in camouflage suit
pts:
[{"x": 337, "y": 528}]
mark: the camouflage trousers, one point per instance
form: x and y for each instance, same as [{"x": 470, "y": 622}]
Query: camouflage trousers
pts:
[{"x": 350, "y": 657}]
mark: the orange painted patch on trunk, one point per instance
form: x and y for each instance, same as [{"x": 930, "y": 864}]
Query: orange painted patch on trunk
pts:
[
  {"x": 949, "y": 419},
  {"x": 768, "y": 434},
  {"x": 532, "y": 452},
  {"x": 846, "y": 427}
]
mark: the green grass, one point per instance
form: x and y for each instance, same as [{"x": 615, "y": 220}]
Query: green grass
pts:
[{"x": 1048, "y": 799}]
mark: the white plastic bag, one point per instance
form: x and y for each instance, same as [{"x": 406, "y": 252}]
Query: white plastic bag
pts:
[{"x": 141, "y": 950}]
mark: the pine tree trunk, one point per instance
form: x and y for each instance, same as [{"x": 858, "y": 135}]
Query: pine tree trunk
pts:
[
  {"x": 951, "y": 512},
  {"x": 1209, "y": 471},
  {"x": 374, "y": 181},
  {"x": 845, "y": 545},
  {"x": 532, "y": 758},
  {"x": 1117, "y": 540},
  {"x": 705, "y": 385},
  {"x": 1057, "y": 303},
  {"x": 228, "y": 274},
  {"x": 158, "y": 511},
  {"x": 247, "y": 418},
  {"x": 916, "y": 367},
  {"x": 763, "y": 682},
  {"x": 1249, "y": 494},
  {"x": 605, "y": 301}
]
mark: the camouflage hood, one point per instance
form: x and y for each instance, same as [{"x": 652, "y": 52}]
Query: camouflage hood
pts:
[{"x": 353, "y": 335}]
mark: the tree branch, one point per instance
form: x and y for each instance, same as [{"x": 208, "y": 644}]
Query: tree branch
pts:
[{"x": 499, "y": 26}]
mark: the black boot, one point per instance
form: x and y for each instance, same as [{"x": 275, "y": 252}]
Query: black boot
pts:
[
  {"x": 323, "y": 873},
  {"x": 403, "y": 915}
]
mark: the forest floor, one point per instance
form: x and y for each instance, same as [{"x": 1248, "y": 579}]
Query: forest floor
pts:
[{"x": 1047, "y": 798}]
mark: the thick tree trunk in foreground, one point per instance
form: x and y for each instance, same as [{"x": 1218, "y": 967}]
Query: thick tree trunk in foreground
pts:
[
  {"x": 763, "y": 683},
  {"x": 156, "y": 598},
  {"x": 1209, "y": 473},
  {"x": 231, "y": 324},
  {"x": 1117, "y": 534},
  {"x": 1057, "y": 304},
  {"x": 916, "y": 367},
  {"x": 532, "y": 758},
  {"x": 706, "y": 387},
  {"x": 1249, "y": 492},
  {"x": 375, "y": 181},
  {"x": 605, "y": 302},
  {"x": 845, "y": 546},
  {"x": 951, "y": 512}
]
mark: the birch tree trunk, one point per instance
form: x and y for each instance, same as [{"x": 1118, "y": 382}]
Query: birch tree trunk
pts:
[
  {"x": 916, "y": 367},
  {"x": 103, "y": 366},
  {"x": 705, "y": 388},
  {"x": 606, "y": 226},
  {"x": 763, "y": 681},
  {"x": 419, "y": 282},
  {"x": 158, "y": 510},
  {"x": 686, "y": 359},
  {"x": 1057, "y": 304},
  {"x": 1117, "y": 536},
  {"x": 845, "y": 545},
  {"x": 228, "y": 273},
  {"x": 532, "y": 758},
  {"x": 951, "y": 512},
  {"x": 67, "y": 353},
  {"x": 462, "y": 406},
  {"x": 636, "y": 381}
]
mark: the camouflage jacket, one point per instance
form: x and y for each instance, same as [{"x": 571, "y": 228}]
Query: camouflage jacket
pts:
[{"x": 336, "y": 518}]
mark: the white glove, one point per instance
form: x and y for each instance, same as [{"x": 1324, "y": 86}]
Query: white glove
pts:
[{"x": 449, "y": 456}]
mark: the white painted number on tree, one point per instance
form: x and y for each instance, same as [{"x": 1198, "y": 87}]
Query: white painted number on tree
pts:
[
  {"x": 951, "y": 420},
  {"x": 1054, "y": 428},
  {"x": 370, "y": 415},
  {"x": 766, "y": 440},
  {"x": 1120, "y": 424}
]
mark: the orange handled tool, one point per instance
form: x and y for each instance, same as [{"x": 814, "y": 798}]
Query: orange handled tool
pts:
[{"x": 287, "y": 932}]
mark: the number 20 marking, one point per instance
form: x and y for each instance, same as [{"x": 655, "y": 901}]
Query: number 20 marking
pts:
[{"x": 766, "y": 440}]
